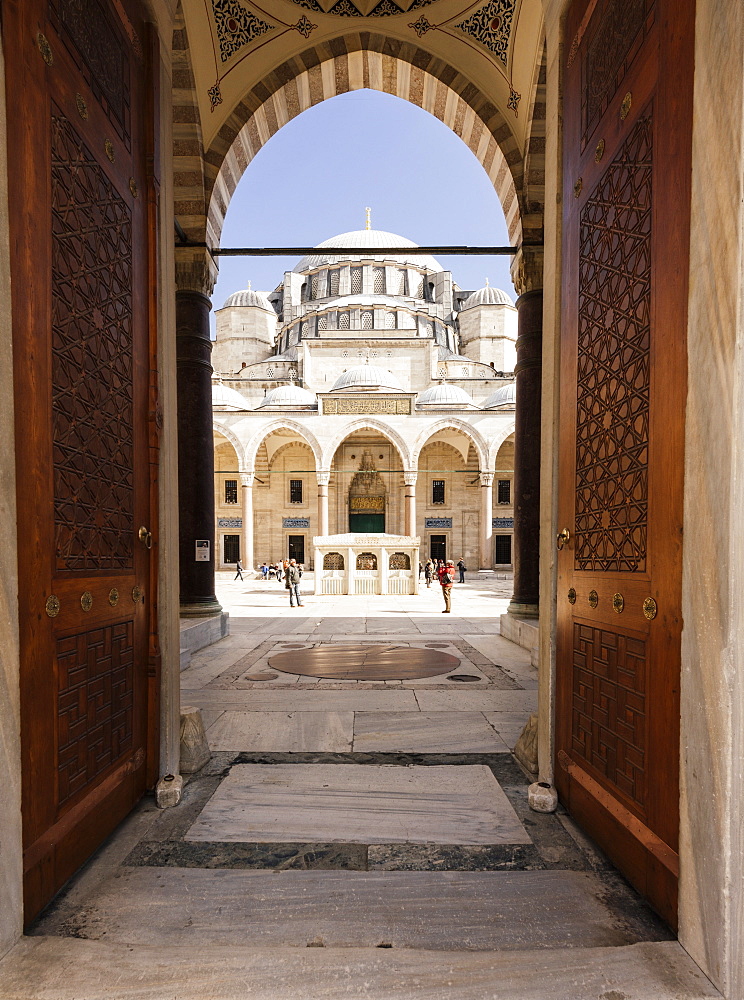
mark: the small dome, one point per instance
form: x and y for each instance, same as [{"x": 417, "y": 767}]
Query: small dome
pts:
[
  {"x": 289, "y": 396},
  {"x": 505, "y": 396},
  {"x": 247, "y": 297},
  {"x": 365, "y": 378},
  {"x": 488, "y": 296},
  {"x": 445, "y": 394},
  {"x": 224, "y": 398}
]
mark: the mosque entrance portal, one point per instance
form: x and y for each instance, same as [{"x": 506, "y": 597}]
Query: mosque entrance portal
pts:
[{"x": 367, "y": 499}]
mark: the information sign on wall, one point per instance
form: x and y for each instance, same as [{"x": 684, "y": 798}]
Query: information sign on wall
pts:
[{"x": 202, "y": 550}]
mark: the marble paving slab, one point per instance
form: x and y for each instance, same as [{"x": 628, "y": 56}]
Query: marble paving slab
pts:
[
  {"x": 421, "y": 909},
  {"x": 354, "y": 699},
  {"x": 439, "y": 732},
  {"x": 478, "y": 701},
  {"x": 367, "y": 804},
  {"x": 285, "y": 732},
  {"x": 71, "y": 969}
]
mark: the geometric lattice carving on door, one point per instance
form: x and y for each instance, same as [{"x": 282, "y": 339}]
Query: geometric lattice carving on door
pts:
[
  {"x": 607, "y": 56},
  {"x": 95, "y": 703},
  {"x": 609, "y": 706},
  {"x": 92, "y": 404},
  {"x": 613, "y": 363}
]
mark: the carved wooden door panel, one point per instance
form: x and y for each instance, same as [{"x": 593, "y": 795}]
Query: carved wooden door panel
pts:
[
  {"x": 623, "y": 377},
  {"x": 82, "y": 347}
]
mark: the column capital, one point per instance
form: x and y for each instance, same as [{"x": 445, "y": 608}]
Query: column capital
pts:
[
  {"x": 196, "y": 270},
  {"x": 486, "y": 478},
  {"x": 323, "y": 476},
  {"x": 246, "y": 478},
  {"x": 527, "y": 269},
  {"x": 410, "y": 477}
]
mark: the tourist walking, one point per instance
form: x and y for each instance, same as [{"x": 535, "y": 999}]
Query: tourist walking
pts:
[
  {"x": 447, "y": 578},
  {"x": 429, "y": 572},
  {"x": 238, "y": 570},
  {"x": 292, "y": 576},
  {"x": 461, "y": 567},
  {"x": 264, "y": 571}
]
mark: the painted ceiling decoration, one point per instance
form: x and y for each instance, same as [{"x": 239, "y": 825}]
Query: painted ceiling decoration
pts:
[
  {"x": 236, "y": 26},
  {"x": 491, "y": 26}
]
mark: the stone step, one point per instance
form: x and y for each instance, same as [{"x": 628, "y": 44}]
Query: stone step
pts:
[{"x": 71, "y": 969}]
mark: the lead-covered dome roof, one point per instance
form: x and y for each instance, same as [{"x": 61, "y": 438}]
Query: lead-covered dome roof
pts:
[
  {"x": 247, "y": 297},
  {"x": 445, "y": 395},
  {"x": 367, "y": 241},
  {"x": 367, "y": 378},
  {"x": 224, "y": 398},
  {"x": 505, "y": 396},
  {"x": 286, "y": 397},
  {"x": 487, "y": 296}
]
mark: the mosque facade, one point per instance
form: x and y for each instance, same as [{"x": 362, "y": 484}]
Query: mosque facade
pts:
[{"x": 366, "y": 393}]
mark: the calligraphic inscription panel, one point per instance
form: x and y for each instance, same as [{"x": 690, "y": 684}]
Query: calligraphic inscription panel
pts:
[
  {"x": 613, "y": 369},
  {"x": 367, "y": 503},
  {"x": 367, "y": 406},
  {"x": 92, "y": 390},
  {"x": 610, "y": 51},
  {"x": 609, "y": 706},
  {"x": 95, "y": 704}
]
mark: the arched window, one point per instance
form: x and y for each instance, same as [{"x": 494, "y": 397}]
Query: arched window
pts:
[
  {"x": 356, "y": 281},
  {"x": 368, "y": 319},
  {"x": 390, "y": 320},
  {"x": 366, "y": 560},
  {"x": 334, "y": 281},
  {"x": 333, "y": 560},
  {"x": 343, "y": 320},
  {"x": 400, "y": 560},
  {"x": 379, "y": 285}
]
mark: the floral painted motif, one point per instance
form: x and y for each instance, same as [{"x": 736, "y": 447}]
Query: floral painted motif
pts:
[
  {"x": 236, "y": 26},
  {"x": 421, "y": 26},
  {"x": 491, "y": 26},
  {"x": 215, "y": 95},
  {"x": 304, "y": 26}
]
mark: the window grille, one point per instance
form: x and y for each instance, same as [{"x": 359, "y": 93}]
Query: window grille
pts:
[
  {"x": 368, "y": 319},
  {"x": 292, "y": 373},
  {"x": 379, "y": 286},
  {"x": 343, "y": 320},
  {"x": 231, "y": 491},
  {"x": 356, "y": 281},
  {"x": 465, "y": 370},
  {"x": 316, "y": 286},
  {"x": 389, "y": 320},
  {"x": 400, "y": 560},
  {"x": 420, "y": 289},
  {"x": 333, "y": 560},
  {"x": 295, "y": 491},
  {"x": 429, "y": 329},
  {"x": 334, "y": 282},
  {"x": 503, "y": 491},
  {"x": 344, "y": 354},
  {"x": 322, "y": 322},
  {"x": 269, "y": 373},
  {"x": 437, "y": 491},
  {"x": 442, "y": 373},
  {"x": 366, "y": 560},
  {"x": 503, "y": 550},
  {"x": 403, "y": 282},
  {"x": 373, "y": 354}
]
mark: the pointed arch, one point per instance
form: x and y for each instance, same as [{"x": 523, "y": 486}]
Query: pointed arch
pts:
[
  {"x": 367, "y": 424},
  {"x": 452, "y": 424},
  {"x": 496, "y": 441},
  {"x": 234, "y": 441},
  {"x": 251, "y": 448}
]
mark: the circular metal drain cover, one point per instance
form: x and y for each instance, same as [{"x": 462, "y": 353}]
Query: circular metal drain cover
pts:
[
  {"x": 293, "y": 645},
  {"x": 364, "y": 662},
  {"x": 464, "y": 678},
  {"x": 265, "y": 676}
]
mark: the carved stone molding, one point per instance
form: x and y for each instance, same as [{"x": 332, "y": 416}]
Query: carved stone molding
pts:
[
  {"x": 486, "y": 478},
  {"x": 246, "y": 479},
  {"x": 323, "y": 476},
  {"x": 409, "y": 478},
  {"x": 195, "y": 270},
  {"x": 527, "y": 269}
]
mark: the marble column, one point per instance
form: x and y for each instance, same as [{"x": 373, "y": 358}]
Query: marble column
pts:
[
  {"x": 486, "y": 549},
  {"x": 528, "y": 371},
  {"x": 409, "y": 478},
  {"x": 195, "y": 454},
  {"x": 246, "y": 540},
  {"x": 324, "y": 477}
]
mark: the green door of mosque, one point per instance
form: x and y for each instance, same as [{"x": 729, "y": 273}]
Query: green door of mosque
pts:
[{"x": 367, "y": 523}]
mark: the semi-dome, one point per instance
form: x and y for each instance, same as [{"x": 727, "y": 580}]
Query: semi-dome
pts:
[
  {"x": 224, "y": 398},
  {"x": 367, "y": 378},
  {"x": 367, "y": 241},
  {"x": 445, "y": 395},
  {"x": 289, "y": 396},
  {"x": 247, "y": 297},
  {"x": 505, "y": 396},
  {"x": 488, "y": 296}
]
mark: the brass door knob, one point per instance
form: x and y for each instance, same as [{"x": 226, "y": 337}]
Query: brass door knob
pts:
[
  {"x": 145, "y": 537},
  {"x": 562, "y": 538}
]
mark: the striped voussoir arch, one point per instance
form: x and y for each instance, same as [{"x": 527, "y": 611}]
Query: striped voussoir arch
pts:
[{"x": 353, "y": 62}]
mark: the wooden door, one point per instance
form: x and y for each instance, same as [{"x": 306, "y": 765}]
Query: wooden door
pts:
[
  {"x": 628, "y": 114},
  {"x": 83, "y": 347}
]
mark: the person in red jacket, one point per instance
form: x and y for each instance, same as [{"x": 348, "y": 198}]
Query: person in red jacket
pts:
[{"x": 446, "y": 576}]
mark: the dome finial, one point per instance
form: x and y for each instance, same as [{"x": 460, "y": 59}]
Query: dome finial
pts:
[
  {"x": 249, "y": 287},
  {"x": 368, "y": 213},
  {"x": 488, "y": 283}
]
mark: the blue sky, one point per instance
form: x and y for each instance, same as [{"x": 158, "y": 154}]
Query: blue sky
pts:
[{"x": 315, "y": 177}]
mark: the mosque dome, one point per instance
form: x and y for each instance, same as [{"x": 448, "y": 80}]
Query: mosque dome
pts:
[
  {"x": 368, "y": 241},
  {"x": 289, "y": 396},
  {"x": 247, "y": 297},
  {"x": 488, "y": 296},
  {"x": 445, "y": 395},
  {"x": 366, "y": 378},
  {"x": 224, "y": 398},
  {"x": 505, "y": 396}
]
